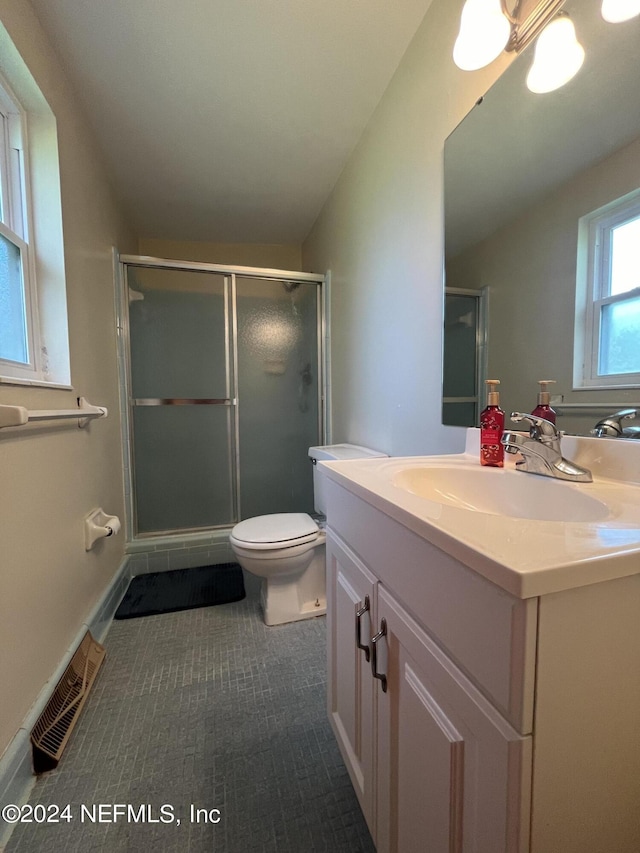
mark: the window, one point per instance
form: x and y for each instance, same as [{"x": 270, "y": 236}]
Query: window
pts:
[
  {"x": 34, "y": 344},
  {"x": 17, "y": 345},
  {"x": 608, "y": 303}
]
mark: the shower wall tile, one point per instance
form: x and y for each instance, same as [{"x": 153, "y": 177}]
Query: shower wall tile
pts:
[
  {"x": 139, "y": 564},
  {"x": 183, "y": 558},
  {"x": 165, "y": 553},
  {"x": 159, "y": 562}
]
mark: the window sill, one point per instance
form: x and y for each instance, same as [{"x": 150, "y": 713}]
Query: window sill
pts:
[
  {"x": 612, "y": 387},
  {"x": 38, "y": 383}
]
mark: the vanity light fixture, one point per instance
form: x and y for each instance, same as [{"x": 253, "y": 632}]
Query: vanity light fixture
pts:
[
  {"x": 487, "y": 27},
  {"x": 558, "y": 56},
  {"x": 616, "y": 11},
  {"x": 484, "y": 34}
]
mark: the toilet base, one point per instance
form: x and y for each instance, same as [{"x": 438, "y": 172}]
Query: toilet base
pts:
[
  {"x": 289, "y": 599},
  {"x": 282, "y": 606}
]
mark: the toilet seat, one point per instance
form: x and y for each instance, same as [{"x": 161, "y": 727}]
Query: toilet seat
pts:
[
  {"x": 278, "y": 530},
  {"x": 287, "y": 552}
]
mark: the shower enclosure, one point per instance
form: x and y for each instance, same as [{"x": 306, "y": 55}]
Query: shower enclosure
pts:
[
  {"x": 223, "y": 384},
  {"x": 464, "y": 356}
]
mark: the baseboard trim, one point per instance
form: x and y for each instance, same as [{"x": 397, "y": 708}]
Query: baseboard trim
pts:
[{"x": 16, "y": 769}]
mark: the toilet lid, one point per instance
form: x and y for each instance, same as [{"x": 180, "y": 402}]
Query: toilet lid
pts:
[{"x": 275, "y": 528}]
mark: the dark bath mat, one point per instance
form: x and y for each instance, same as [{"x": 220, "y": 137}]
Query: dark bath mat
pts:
[{"x": 181, "y": 589}]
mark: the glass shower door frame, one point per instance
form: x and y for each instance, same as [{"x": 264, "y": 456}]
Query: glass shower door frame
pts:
[
  {"x": 229, "y": 401},
  {"x": 231, "y": 275},
  {"x": 481, "y": 298}
]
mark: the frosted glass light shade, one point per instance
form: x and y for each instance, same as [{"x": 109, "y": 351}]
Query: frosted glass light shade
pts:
[
  {"x": 484, "y": 33},
  {"x": 616, "y": 11},
  {"x": 558, "y": 57}
]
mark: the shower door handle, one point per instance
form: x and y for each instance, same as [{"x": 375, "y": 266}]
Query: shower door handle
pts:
[{"x": 184, "y": 401}]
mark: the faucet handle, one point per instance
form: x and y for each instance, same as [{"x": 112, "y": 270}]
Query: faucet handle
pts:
[
  {"x": 539, "y": 428},
  {"x": 623, "y": 415},
  {"x": 612, "y": 424}
]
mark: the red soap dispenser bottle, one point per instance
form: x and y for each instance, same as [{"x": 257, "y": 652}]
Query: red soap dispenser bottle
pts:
[
  {"x": 491, "y": 428},
  {"x": 543, "y": 409}
]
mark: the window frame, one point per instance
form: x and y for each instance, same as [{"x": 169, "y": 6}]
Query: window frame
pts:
[
  {"x": 16, "y": 225},
  {"x": 593, "y": 293}
]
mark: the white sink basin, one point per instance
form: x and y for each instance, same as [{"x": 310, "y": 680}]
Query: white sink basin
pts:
[
  {"x": 505, "y": 492},
  {"x": 531, "y": 535}
]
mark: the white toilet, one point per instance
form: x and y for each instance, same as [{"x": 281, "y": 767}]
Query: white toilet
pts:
[{"x": 287, "y": 550}]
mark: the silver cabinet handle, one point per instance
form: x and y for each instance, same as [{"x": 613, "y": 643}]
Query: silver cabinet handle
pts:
[
  {"x": 359, "y": 614},
  {"x": 374, "y": 654}
]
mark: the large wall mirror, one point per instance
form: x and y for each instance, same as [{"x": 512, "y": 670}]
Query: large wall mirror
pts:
[{"x": 522, "y": 171}]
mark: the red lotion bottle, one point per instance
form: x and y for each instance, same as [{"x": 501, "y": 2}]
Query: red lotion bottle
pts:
[
  {"x": 543, "y": 409},
  {"x": 491, "y": 428}
]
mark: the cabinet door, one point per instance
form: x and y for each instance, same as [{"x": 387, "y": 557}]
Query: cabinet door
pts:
[
  {"x": 453, "y": 776},
  {"x": 350, "y": 586}
]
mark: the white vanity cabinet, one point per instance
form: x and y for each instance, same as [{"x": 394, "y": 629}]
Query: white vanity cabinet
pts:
[
  {"x": 351, "y": 596},
  {"x": 455, "y": 756},
  {"x": 453, "y": 775},
  {"x": 433, "y": 763}
]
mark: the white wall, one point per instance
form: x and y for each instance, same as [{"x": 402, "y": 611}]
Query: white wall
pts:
[
  {"x": 269, "y": 255},
  {"x": 381, "y": 235},
  {"x": 50, "y": 479}
]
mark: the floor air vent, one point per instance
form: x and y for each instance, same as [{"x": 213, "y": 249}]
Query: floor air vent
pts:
[{"x": 53, "y": 728}]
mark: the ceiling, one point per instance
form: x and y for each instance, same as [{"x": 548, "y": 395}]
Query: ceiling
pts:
[{"x": 228, "y": 120}]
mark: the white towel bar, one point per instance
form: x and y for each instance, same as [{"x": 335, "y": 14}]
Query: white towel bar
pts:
[{"x": 14, "y": 416}]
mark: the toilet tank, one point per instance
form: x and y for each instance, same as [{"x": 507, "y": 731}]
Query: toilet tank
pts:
[{"x": 333, "y": 452}]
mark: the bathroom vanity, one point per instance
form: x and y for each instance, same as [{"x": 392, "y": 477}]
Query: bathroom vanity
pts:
[{"x": 484, "y": 653}]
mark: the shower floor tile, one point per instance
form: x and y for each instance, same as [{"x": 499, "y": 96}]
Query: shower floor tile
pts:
[{"x": 210, "y": 730}]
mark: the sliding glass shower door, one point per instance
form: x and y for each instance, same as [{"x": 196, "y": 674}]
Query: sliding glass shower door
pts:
[
  {"x": 181, "y": 403},
  {"x": 223, "y": 396}
]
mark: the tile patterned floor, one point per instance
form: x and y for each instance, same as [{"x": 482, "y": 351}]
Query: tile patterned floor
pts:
[{"x": 206, "y": 708}]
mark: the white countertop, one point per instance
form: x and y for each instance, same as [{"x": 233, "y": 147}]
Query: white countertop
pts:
[{"x": 526, "y": 557}]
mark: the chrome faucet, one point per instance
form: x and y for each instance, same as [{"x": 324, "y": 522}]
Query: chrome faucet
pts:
[
  {"x": 541, "y": 450},
  {"x": 612, "y": 425}
]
